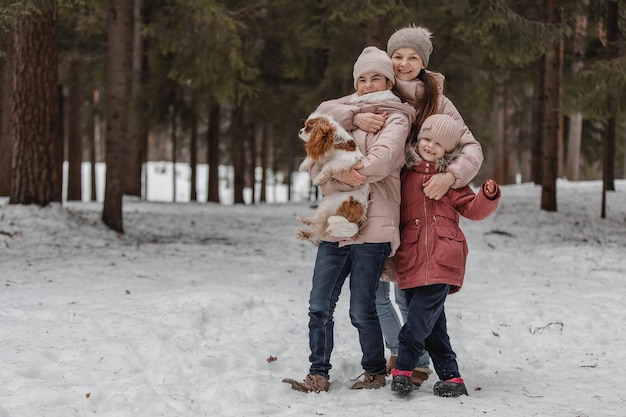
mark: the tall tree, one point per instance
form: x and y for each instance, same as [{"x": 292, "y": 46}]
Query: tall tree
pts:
[
  {"x": 575, "y": 130},
  {"x": 116, "y": 108},
  {"x": 37, "y": 151},
  {"x": 213, "y": 150},
  {"x": 137, "y": 137},
  {"x": 75, "y": 131},
  {"x": 552, "y": 132},
  {"x": 6, "y": 113}
]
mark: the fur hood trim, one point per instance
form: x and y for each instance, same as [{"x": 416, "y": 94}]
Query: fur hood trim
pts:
[
  {"x": 413, "y": 158},
  {"x": 374, "y": 97}
]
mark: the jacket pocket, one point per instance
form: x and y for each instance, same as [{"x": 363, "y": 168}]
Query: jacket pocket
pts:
[
  {"x": 407, "y": 254},
  {"x": 450, "y": 249}
]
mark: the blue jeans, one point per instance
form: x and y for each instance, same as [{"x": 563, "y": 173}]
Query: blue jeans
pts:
[
  {"x": 364, "y": 263},
  {"x": 390, "y": 323},
  {"x": 425, "y": 329},
  {"x": 403, "y": 305}
]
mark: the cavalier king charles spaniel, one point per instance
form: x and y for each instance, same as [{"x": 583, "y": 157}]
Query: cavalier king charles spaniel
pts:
[{"x": 342, "y": 212}]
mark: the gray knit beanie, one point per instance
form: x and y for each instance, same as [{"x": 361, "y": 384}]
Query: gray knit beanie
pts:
[
  {"x": 373, "y": 59},
  {"x": 414, "y": 37},
  {"x": 443, "y": 129}
]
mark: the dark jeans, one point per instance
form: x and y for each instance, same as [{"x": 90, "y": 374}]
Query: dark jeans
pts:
[
  {"x": 364, "y": 263},
  {"x": 425, "y": 328}
]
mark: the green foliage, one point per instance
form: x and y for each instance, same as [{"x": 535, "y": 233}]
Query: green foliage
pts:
[
  {"x": 509, "y": 39},
  {"x": 11, "y": 11},
  {"x": 599, "y": 90}
]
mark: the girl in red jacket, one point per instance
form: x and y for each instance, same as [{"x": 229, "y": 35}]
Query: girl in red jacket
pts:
[{"x": 430, "y": 261}]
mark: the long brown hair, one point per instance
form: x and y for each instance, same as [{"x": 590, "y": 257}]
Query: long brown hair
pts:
[{"x": 425, "y": 106}]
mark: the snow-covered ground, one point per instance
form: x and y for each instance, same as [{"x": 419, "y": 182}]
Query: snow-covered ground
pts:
[{"x": 201, "y": 310}]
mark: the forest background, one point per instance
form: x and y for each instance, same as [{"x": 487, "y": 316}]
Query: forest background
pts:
[{"x": 541, "y": 84}]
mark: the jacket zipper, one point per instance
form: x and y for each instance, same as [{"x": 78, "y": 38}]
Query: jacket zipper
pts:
[{"x": 426, "y": 235}]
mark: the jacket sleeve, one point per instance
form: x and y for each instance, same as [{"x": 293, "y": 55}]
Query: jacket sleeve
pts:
[
  {"x": 386, "y": 154},
  {"x": 467, "y": 165},
  {"x": 344, "y": 112},
  {"x": 476, "y": 206}
]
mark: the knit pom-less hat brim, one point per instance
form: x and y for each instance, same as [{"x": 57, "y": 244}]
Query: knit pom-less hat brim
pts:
[
  {"x": 414, "y": 37},
  {"x": 375, "y": 60},
  {"x": 443, "y": 129}
]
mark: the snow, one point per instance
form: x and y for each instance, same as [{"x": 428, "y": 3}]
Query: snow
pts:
[{"x": 200, "y": 309}]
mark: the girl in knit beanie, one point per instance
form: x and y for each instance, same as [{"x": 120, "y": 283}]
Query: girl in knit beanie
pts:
[{"x": 430, "y": 262}]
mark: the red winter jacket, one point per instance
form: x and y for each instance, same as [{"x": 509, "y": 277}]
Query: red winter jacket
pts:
[{"x": 433, "y": 249}]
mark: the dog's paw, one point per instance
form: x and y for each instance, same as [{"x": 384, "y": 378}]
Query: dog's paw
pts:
[
  {"x": 303, "y": 219},
  {"x": 303, "y": 234},
  {"x": 320, "y": 179},
  {"x": 339, "y": 226}
]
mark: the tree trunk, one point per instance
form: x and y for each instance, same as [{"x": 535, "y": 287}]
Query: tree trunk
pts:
[
  {"x": 266, "y": 132},
  {"x": 75, "y": 132},
  {"x": 538, "y": 123},
  {"x": 237, "y": 152},
  {"x": 552, "y": 94},
  {"x": 250, "y": 163},
  {"x": 6, "y": 114},
  {"x": 96, "y": 141},
  {"x": 575, "y": 130},
  {"x": 193, "y": 156},
  {"x": 612, "y": 36},
  {"x": 174, "y": 132},
  {"x": 136, "y": 140},
  {"x": 91, "y": 144},
  {"x": 213, "y": 150},
  {"x": 116, "y": 105},
  {"x": 498, "y": 115},
  {"x": 376, "y": 34},
  {"x": 37, "y": 152}
]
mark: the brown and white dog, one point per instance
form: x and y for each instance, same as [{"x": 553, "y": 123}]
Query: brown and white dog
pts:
[{"x": 342, "y": 212}]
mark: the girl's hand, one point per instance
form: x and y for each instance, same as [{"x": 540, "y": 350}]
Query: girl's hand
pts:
[
  {"x": 438, "y": 185},
  {"x": 369, "y": 122},
  {"x": 490, "y": 188},
  {"x": 352, "y": 177}
]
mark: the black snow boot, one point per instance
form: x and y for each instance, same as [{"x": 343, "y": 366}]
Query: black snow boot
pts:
[{"x": 452, "y": 387}]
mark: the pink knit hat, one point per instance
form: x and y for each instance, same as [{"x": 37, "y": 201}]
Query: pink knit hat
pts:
[
  {"x": 443, "y": 129},
  {"x": 373, "y": 59}
]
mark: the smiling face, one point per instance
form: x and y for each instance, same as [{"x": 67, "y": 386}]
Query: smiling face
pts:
[
  {"x": 407, "y": 64},
  {"x": 371, "y": 82},
  {"x": 430, "y": 150}
]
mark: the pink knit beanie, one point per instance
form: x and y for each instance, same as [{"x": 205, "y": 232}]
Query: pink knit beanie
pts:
[
  {"x": 373, "y": 59},
  {"x": 443, "y": 129}
]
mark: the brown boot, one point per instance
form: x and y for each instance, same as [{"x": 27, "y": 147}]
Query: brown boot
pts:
[
  {"x": 391, "y": 363},
  {"x": 312, "y": 383},
  {"x": 370, "y": 382},
  {"x": 419, "y": 375}
]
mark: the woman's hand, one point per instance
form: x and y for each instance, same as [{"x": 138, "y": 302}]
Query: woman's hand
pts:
[
  {"x": 369, "y": 122},
  {"x": 352, "y": 177},
  {"x": 438, "y": 185}
]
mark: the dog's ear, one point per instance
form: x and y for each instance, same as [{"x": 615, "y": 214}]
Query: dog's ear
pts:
[{"x": 321, "y": 138}]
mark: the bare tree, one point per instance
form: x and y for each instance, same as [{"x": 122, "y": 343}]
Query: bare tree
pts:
[{"x": 116, "y": 107}]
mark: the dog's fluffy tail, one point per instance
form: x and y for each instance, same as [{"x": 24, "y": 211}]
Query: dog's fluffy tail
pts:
[{"x": 339, "y": 226}]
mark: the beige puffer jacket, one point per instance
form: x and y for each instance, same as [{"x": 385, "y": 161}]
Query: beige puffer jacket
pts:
[
  {"x": 384, "y": 157},
  {"x": 466, "y": 166}
]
